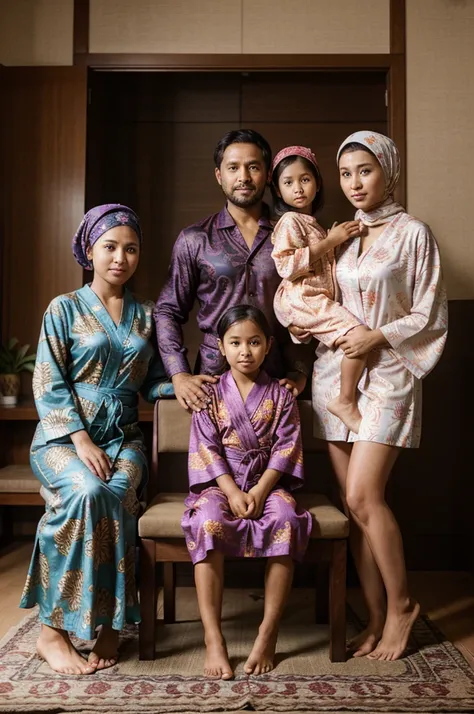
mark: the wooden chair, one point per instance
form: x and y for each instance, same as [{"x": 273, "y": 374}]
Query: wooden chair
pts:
[{"x": 162, "y": 540}]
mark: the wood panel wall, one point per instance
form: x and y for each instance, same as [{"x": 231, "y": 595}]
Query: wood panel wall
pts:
[
  {"x": 151, "y": 139},
  {"x": 43, "y": 146}
]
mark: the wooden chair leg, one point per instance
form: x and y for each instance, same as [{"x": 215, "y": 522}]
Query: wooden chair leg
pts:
[
  {"x": 169, "y": 593},
  {"x": 337, "y": 602},
  {"x": 322, "y": 594},
  {"x": 147, "y": 627}
]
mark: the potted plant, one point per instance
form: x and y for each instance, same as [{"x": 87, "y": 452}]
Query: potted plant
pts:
[{"x": 13, "y": 360}]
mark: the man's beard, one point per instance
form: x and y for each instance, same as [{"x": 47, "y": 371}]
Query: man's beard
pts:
[{"x": 244, "y": 201}]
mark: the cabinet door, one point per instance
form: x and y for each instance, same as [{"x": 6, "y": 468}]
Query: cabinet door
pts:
[{"x": 43, "y": 155}]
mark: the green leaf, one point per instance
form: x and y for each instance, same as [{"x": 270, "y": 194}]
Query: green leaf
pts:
[
  {"x": 29, "y": 367},
  {"x": 22, "y": 351},
  {"x": 12, "y": 342}
]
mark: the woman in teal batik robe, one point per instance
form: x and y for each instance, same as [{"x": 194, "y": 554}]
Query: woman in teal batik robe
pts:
[{"x": 88, "y": 451}]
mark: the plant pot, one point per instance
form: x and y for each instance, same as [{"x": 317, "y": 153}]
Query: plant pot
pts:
[{"x": 9, "y": 389}]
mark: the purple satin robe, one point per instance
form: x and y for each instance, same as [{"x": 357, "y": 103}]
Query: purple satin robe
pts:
[
  {"x": 244, "y": 440},
  {"x": 212, "y": 263}
]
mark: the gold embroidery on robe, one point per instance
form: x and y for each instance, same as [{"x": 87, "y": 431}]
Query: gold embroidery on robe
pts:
[
  {"x": 70, "y": 587},
  {"x": 42, "y": 379},
  {"x": 71, "y": 531},
  {"x": 58, "y": 457},
  {"x": 265, "y": 412},
  {"x": 283, "y": 535},
  {"x": 91, "y": 373},
  {"x": 200, "y": 460},
  {"x": 86, "y": 326},
  {"x": 55, "y": 423}
]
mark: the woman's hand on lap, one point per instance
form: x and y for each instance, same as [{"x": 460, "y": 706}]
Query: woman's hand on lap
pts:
[{"x": 94, "y": 458}]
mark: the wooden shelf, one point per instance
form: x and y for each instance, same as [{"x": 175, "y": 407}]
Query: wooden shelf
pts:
[{"x": 26, "y": 411}]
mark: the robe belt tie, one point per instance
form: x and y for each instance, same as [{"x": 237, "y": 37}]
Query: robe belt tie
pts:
[
  {"x": 107, "y": 427},
  {"x": 257, "y": 463}
]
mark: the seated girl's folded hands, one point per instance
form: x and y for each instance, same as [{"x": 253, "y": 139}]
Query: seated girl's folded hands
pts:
[{"x": 241, "y": 504}]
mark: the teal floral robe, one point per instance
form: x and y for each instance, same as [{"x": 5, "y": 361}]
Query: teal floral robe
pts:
[{"x": 87, "y": 376}]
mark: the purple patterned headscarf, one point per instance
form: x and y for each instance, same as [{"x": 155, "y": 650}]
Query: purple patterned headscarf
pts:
[{"x": 98, "y": 221}]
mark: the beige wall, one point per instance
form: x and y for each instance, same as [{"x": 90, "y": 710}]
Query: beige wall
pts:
[
  {"x": 440, "y": 78},
  {"x": 235, "y": 26},
  {"x": 440, "y": 121},
  {"x": 36, "y": 32}
]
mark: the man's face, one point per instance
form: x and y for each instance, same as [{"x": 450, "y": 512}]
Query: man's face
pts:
[{"x": 243, "y": 175}]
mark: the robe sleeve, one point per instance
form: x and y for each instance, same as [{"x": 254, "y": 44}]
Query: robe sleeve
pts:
[
  {"x": 287, "y": 450},
  {"x": 290, "y": 248},
  {"x": 174, "y": 305},
  {"x": 52, "y": 391},
  {"x": 157, "y": 384},
  {"x": 418, "y": 338},
  {"x": 206, "y": 461}
]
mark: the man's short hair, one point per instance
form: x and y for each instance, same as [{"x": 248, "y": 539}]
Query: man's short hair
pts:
[{"x": 243, "y": 136}]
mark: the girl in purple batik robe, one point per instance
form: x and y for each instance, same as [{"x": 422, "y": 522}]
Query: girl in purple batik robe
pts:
[{"x": 245, "y": 458}]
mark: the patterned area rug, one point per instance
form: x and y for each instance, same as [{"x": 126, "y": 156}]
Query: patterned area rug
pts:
[{"x": 433, "y": 677}]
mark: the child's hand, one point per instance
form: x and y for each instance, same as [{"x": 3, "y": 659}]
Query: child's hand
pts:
[
  {"x": 341, "y": 232},
  {"x": 259, "y": 496},
  {"x": 241, "y": 504}
]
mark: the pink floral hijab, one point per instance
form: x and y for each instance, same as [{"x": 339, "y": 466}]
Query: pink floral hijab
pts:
[{"x": 386, "y": 153}]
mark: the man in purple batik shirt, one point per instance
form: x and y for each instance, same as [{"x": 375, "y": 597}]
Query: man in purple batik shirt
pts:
[{"x": 221, "y": 261}]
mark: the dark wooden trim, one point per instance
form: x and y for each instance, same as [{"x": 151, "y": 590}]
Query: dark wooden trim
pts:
[
  {"x": 397, "y": 27},
  {"x": 21, "y": 498},
  {"x": 147, "y": 627},
  {"x": 396, "y": 85},
  {"x": 81, "y": 28},
  {"x": 233, "y": 62}
]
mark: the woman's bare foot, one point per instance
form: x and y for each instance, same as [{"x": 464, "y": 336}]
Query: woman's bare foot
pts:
[
  {"x": 217, "y": 662},
  {"x": 396, "y": 633},
  {"x": 260, "y": 660},
  {"x": 55, "y": 647},
  {"x": 104, "y": 653},
  {"x": 367, "y": 640},
  {"x": 347, "y": 412}
]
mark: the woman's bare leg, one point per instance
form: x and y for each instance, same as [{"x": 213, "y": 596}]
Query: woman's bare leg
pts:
[
  {"x": 369, "y": 468},
  {"x": 55, "y": 647},
  {"x": 345, "y": 406},
  {"x": 369, "y": 574},
  {"x": 278, "y": 579},
  {"x": 209, "y": 579}
]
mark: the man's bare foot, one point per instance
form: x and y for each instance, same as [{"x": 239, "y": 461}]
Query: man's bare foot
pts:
[
  {"x": 347, "y": 412},
  {"x": 217, "y": 662},
  {"x": 396, "y": 633},
  {"x": 104, "y": 653},
  {"x": 260, "y": 660},
  {"x": 55, "y": 647},
  {"x": 366, "y": 641}
]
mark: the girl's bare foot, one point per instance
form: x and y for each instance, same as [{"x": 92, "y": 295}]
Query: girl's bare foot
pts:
[
  {"x": 55, "y": 647},
  {"x": 104, "y": 653},
  {"x": 217, "y": 662},
  {"x": 347, "y": 412},
  {"x": 396, "y": 633},
  {"x": 367, "y": 640},
  {"x": 260, "y": 660}
]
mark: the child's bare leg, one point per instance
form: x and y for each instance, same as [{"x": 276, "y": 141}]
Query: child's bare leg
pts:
[
  {"x": 209, "y": 579},
  {"x": 345, "y": 405},
  {"x": 278, "y": 579}
]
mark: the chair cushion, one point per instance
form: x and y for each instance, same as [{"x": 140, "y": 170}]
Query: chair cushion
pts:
[
  {"x": 162, "y": 518},
  {"x": 18, "y": 479}
]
